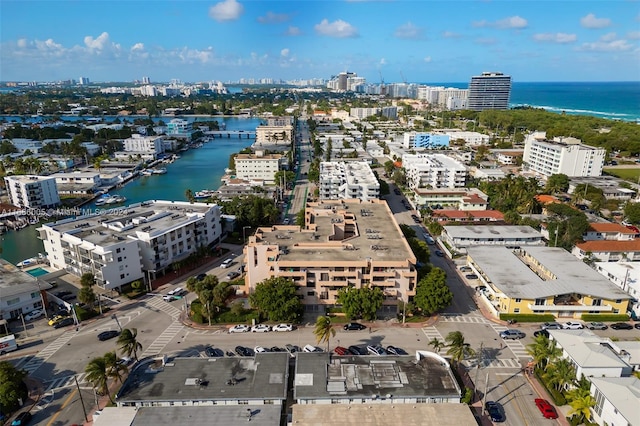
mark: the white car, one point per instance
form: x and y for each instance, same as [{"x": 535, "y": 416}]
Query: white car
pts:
[
  {"x": 572, "y": 326},
  {"x": 376, "y": 350},
  {"x": 283, "y": 327},
  {"x": 226, "y": 263},
  {"x": 260, "y": 328},
  {"x": 176, "y": 291},
  {"x": 36, "y": 313},
  {"x": 240, "y": 328},
  {"x": 311, "y": 348},
  {"x": 260, "y": 349}
]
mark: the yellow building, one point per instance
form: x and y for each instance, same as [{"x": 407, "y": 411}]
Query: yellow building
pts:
[
  {"x": 343, "y": 243},
  {"x": 543, "y": 280}
]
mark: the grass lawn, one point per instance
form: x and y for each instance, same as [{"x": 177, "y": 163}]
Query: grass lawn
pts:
[{"x": 630, "y": 174}]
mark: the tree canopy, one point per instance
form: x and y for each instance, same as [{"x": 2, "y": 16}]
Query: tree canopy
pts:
[
  {"x": 361, "y": 302},
  {"x": 277, "y": 300},
  {"x": 432, "y": 292},
  {"x": 569, "y": 224},
  {"x": 12, "y": 387},
  {"x": 251, "y": 210}
]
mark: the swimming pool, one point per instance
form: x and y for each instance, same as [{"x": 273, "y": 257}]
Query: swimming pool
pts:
[{"x": 37, "y": 272}]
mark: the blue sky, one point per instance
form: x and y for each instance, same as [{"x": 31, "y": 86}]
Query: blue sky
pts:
[{"x": 422, "y": 40}]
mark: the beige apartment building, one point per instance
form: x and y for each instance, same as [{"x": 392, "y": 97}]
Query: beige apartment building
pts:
[{"x": 343, "y": 243}]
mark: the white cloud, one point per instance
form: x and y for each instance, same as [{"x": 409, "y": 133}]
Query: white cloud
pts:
[
  {"x": 555, "y": 37},
  {"x": 608, "y": 37},
  {"x": 22, "y": 43},
  {"x": 383, "y": 61},
  {"x": 590, "y": 21},
  {"x": 191, "y": 56},
  {"x": 512, "y": 22},
  {"x": 227, "y": 10},
  {"x": 284, "y": 52},
  {"x": 408, "y": 31},
  {"x": 339, "y": 29},
  {"x": 607, "y": 46},
  {"x": 137, "y": 46},
  {"x": 427, "y": 59},
  {"x": 101, "y": 44},
  {"x": 293, "y": 31},
  {"x": 49, "y": 45},
  {"x": 451, "y": 34},
  {"x": 273, "y": 18},
  {"x": 633, "y": 35}
]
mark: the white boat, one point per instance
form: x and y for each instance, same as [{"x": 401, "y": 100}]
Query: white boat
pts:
[
  {"x": 27, "y": 262},
  {"x": 146, "y": 172},
  {"x": 205, "y": 193},
  {"x": 116, "y": 199},
  {"x": 159, "y": 171}
]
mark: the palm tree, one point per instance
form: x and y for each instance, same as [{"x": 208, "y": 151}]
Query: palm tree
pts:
[
  {"x": 560, "y": 374},
  {"x": 114, "y": 368},
  {"x": 98, "y": 376},
  {"x": 437, "y": 344},
  {"x": 458, "y": 348},
  {"x": 543, "y": 351},
  {"x": 581, "y": 401},
  {"x": 128, "y": 342},
  {"x": 324, "y": 330}
]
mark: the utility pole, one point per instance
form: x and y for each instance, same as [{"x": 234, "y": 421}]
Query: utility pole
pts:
[
  {"x": 480, "y": 356},
  {"x": 486, "y": 386},
  {"x": 24, "y": 326},
  {"x": 84, "y": 410}
]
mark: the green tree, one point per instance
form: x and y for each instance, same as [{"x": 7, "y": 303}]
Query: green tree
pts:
[
  {"x": 557, "y": 183},
  {"x": 458, "y": 348},
  {"x": 324, "y": 330},
  {"x": 432, "y": 292},
  {"x": 87, "y": 296},
  {"x": 435, "y": 228},
  {"x": 115, "y": 370},
  {"x": 543, "y": 351},
  {"x": 632, "y": 212},
  {"x": 581, "y": 401},
  {"x": 560, "y": 374},
  {"x": 361, "y": 302},
  {"x": 206, "y": 294},
  {"x": 437, "y": 344},
  {"x": 98, "y": 375},
  {"x": 128, "y": 342},
  {"x": 190, "y": 196},
  {"x": 569, "y": 223},
  {"x": 276, "y": 298},
  {"x": 12, "y": 387},
  {"x": 87, "y": 279}
]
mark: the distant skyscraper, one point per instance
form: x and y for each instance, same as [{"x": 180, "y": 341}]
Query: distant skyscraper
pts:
[
  {"x": 146, "y": 80},
  {"x": 84, "y": 81},
  {"x": 491, "y": 90}
]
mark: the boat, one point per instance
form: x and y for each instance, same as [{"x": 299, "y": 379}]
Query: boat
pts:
[
  {"x": 146, "y": 172},
  {"x": 159, "y": 171},
  {"x": 205, "y": 193},
  {"x": 31, "y": 261},
  {"x": 116, "y": 199}
]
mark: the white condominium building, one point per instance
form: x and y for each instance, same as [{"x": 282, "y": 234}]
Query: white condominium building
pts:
[
  {"x": 347, "y": 180},
  {"x": 433, "y": 171},
  {"x": 134, "y": 243},
  {"x": 274, "y": 134},
  {"x": 139, "y": 143},
  {"x": 562, "y": 155},
  {"x": 29, "y": 191},
  {"x": 257, "y": 166}
]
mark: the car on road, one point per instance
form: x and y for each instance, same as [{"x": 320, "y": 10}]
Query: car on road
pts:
[
  {"x": 201, "y": 277},
  {"x": 354, "y": 326},
  {"x": 22, "y": 419},
  {"x": 376, "y": 350},
  {"x": 572, "y": 325},
  {"x": 283, "y": 327},
  {"x": 512, "y": 334},
  {"x": 260, "y": 328},
  {"x": 547, "y": 410},
  {"x": 621, "y": 326},
  {"x": 471, "y": 277},
  {"x": 415, "y": 218},
  {"x": 239, "y": 328},
  {"x": 69, "y": 297},
  {"x": 597, "y": 326},
  {"x": 226, "y": 263},
  {"x": 551, "y": 326},
  {"x": 61, "y": 294},
  {"x": 465, "y": 269},
  {"x": 544, "y": 333},
  {"x": 637, "y": 325},
  {"x": 394, "y": 350},
  {"x": 169, "y": 298},
  {"x": 64, "y": 322},
  {"x": 260, "y": 350},
  {"x": 396, "y": 191},
  {"x": 57, "y": 318},
  {"x": 311, "y": 348},
  {"x": 494, "y": 411},
  {"x": 106, "y": 335},
  {"x": 213, "y": 352},
  {"x": 35, "y": 314},
  {"x": 244, "y": 351},
  {"x": 439, "y": 253},
  {"x": 428, "y": 239},
  {"x": 339, "y": 350},
  {"x": 358, "y": 350},
  {"x": 233, "y": 275},
  {"x": 292, "y": 349},
  {"x": 176, "y": 291}
]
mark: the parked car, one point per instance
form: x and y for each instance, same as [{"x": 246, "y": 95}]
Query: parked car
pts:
[
  {"x": 396, "y": 191},
  {"x": 292, "y": 349},
  {"x": 547, "y": 410},
  {"x": 243, "y": 351},
  {"x": 394, "y": 350},
  {"x": 621, "y": 326},
  {"x": 57, "y": 318},
  {"x": 239, "y": 328},
  {"x": 354, "y": 326},
  {"x": 36, "y": 313},
  {"x": 22, "y": 419},
  {"x": 213, "y": 352},
  {"x": 61, "y": 294},
  {"x": 551, "y": 326},
  {"x": 495, "y": 411},
  {"x": 471, "y": 277},
  {"x": 439, "y": 253},
  {"x": 376, "y": 350},
  {"x": 106, "y": 335},
  {"x": 233, "y": 275},
  {"x": 358, "y": 350},
  {"x": 512, "y": 334},
  {"x": 465, "y": 269},
  {"x": 283, "y": 327},
  {"x": 339, "y": 350},
  {"x": 226, "y": 263},
  {"x": 69, "y": 297},
  {"x": 64, "y": 322},
  {"x": 544, "y": 333},
  {"x": 260, "y": 350},
  {"x": 429, "y": 239},
  {"x": 260, "y": 328},
  {"x": 597, "y": 326},
  {"x": 637, "y": 325},
  {"x": 276, "y": 349},
  {"x": 169, "y": 298},
  {"x": 311, "y": 348},
  {"x": 572, "y": 325},
  {"x": 201, "y": 277}
]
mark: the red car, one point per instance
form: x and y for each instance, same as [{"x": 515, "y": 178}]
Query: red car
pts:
[
  {"x": 339, "y": 350},
  {"x": 547, "y": 410}
]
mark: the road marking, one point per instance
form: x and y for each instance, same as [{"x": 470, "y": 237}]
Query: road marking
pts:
[
  {"x": 432, "y": 333},
  {"x": 163, "y": 339},
  {"x": 62, "y": 407},
  {"x": 477, "y": 319},
  {"x": 162, "y": 306},
  {"x": 66, "y": 382},
  {"x": 44, "y": 401},
  {"x": 39, "y": 359}
]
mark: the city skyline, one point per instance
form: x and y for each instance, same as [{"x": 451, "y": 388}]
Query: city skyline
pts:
[{"x": 394, "y": 41}]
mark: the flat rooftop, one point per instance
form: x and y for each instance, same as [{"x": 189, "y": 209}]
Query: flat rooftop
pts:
[
  {"x": 340, "y": 230},
  {"x": 320, "y": 376},
  {"x": 495, "y": 232},
  {"x": 513, "y": 277},
  {"x": 220, "y": 415},
  {"x": 13, "y": 281},
  {"x": 261, "y": 377}
]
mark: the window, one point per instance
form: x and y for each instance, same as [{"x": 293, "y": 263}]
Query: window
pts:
[
  {"x": 118, "y": 250},
  {"x": 518, "y": 300},
  {"x": 35, "y": 294},
  {"x": 121, "y": 276},
  {"x": 516, "y": 311},
  {"x": 13, "y": 301}
]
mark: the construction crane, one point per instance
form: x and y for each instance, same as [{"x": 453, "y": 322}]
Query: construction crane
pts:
[
  {"x": 404, "y": 80},
  {"x": 383, "y": 90}
]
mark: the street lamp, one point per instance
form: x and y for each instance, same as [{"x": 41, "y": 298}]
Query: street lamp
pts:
[{"x": 244, "y": 237}]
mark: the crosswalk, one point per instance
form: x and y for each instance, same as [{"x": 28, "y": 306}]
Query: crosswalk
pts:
[
  {"x": 66, "y": 382},
  {"x": 163, "y": 339},
  {"x": 162, "y": 306},
  {"x": 39, "y": 359},
  {"x": 515, "y": 346},
  {"x": 493, "y": 363},
  {"x": 474, "y": 319},
  {"x": 432, "y": 333}
]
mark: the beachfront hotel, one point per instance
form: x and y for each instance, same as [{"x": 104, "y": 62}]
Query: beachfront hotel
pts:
[
  {"x": 343, "y": 243},
  {"x": 138, "y": 242},
  {"x": 32, "y": 192}
]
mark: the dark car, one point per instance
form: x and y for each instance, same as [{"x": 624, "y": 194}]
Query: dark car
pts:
[
  {"x": 243, "y": 351},
  {"x": 277, "y": 349},
  {"x": 637, "y": 325},
  {"x": 471, "y": 277},
  {"x": 22, "y": 419},
  {"x": 60, "y": 294},
  {"x": 106, "y": 335},
  {"x": 354, "y": 326},
  {"x": 397, "y": 191},
  {"x": 544, "y": 333},
  {"x": 68, "y": 297},
  {"x": 201, "y": 277},
  {"x": 292, "y": 349},
  {"x": 394, "y": 350},
  {"x": 621, "y": 326},
  {"x": 439, "y": 253},
  {"x": 213, "y": 352},
  {"x": 358, "y": 350},
  {"x": 64, "y": 322},
  {"x": 494, "y": 411}
]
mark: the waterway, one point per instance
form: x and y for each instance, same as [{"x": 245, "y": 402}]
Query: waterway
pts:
[{"x": 196, "y": 169}]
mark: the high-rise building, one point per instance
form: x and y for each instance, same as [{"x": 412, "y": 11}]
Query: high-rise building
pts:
[
  {"x": 491, "y": 90},
  {"x": 32, "y": 192},
  {"x": 564, "y": 155},
  {"x": 84, "y": 81},
  {"x": 146, "y": 80}
]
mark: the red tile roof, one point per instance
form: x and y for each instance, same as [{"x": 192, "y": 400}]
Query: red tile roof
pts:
[
  {"x": 470, "y": 214},
  {"x": 609, "y": 246},
  {"x": 609, "y": 228}
]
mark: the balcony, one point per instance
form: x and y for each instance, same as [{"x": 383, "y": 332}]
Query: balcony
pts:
[{"x": 569, "y": 308}]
